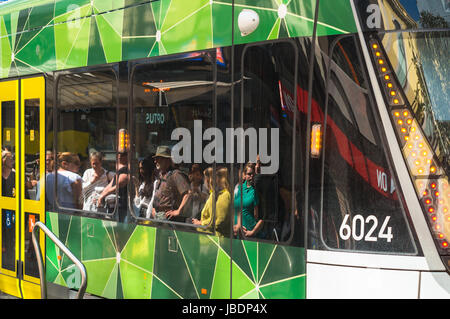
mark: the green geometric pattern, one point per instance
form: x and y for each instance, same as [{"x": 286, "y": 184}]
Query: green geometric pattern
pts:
[
  {"x": 46, "y": 35},
  {"x": 128, "y": 261}
]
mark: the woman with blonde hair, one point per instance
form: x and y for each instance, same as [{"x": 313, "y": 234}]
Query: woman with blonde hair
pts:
[{"x": 221, "y": 193}]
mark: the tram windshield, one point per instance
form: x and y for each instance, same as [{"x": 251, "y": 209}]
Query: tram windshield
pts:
[{"x": 420, "y": 60}]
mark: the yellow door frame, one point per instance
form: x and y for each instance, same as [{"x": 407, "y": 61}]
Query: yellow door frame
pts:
[
  {"x": 9, "y": 91},
  {"x": 12, "y": 282}
]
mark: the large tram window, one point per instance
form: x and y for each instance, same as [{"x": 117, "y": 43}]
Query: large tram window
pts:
[
  {"x": 172, "y": 169},
  {"x": 86, "y": 142},
  {"x": 8, "y": 148},
  {"x": 361, "y": 209},
  {"x": 267, "y": 194}
]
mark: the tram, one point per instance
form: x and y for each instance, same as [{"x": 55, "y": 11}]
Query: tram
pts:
[{"x": 343, "y": 106}]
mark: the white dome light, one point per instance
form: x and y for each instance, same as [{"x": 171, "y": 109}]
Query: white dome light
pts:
[{"x": 248, "y": 21}]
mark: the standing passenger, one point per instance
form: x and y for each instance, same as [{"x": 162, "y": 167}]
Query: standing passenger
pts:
[
  {"x": 171, "y": 193},
  {"x": 247, "y": 221},
  {"x": 198, "y": 194},
  {"x": 69, "y": 183},
  {"x": 96, "y": 176},
  {"x": 221, "y": 193},
  {"x": 147, "y": 181},
  {"x": 8, "y": 174},
  {"x": 120, "y": 181}
]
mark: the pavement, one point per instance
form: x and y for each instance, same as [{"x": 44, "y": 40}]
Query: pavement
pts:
[{"x": 6, "y": 296}]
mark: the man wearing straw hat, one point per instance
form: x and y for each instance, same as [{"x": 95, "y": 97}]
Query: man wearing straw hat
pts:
[{"x": 172, "y": 188}]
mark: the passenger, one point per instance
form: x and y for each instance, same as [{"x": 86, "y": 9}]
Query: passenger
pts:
[
  {"x": 49, "y": 161},
  {"x": 93, "y": 177},
  {"x": 223, "y": 203},
  {"x": 172, "y": 190},
  {"x": 147, "y": 182},
  {"x": 248, "y": 222},
  {"x": 198, "y": 194},
  {"x": 120, "y": 180},
  {"x": 69, "y": 183},
  {"x": 8, "y": 174}
]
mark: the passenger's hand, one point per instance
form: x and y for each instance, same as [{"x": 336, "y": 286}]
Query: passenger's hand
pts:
[
  {"x": 172, "y": 213},
  {"x": 247, "y": 233},
  {"x": 236, "y": 229},
  {"x": 196, "y": 221}
]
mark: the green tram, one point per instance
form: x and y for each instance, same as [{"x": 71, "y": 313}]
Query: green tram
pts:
[{"x": 342, "y": 105}]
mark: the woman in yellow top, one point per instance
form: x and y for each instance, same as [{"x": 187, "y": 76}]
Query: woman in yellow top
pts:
[{"x": 223, "y": 202}]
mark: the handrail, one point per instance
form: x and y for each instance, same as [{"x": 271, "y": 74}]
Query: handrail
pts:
[{"x": 69, "y": 254}]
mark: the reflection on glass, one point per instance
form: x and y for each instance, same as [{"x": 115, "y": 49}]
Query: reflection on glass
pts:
[
  {"x": 8, "y": 149},
  {"x": 427, "y": 88},
  {"x": 32, "y": 138}
]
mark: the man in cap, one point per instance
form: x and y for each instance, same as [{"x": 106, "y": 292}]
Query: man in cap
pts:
[{"x": 172, "y": 189}]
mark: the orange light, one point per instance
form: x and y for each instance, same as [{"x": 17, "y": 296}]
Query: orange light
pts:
[
  {"x": 389, "y": 85},
  {"x": 387, "y": 77},
  {"x": 405, "y": 113},
  {"x": 316, "y": 140},
  {"x": 436, "y": 194},
  {"x": 397, "y": 114},
  {"x": 383, "y": 69},
  {"x": 204, "y": 291},
  {"x": 124, "y": 141},
  {"x": 409, "y": 121},
  {"x": 433, "y": 169},
  {"x": 428, "y": 201},
  {"x": 396, "y": 101},
  {"x": 393, "y": 93},
  {"x": 375, "y": 46},
  {"x": 378, "y": 53},
  {"x": 444, "y": 244},
  {"x": 433, "y": 185},
  {"x": 431, "y": 210},
  {"x": 403, "y": 130},
  {"x": 434, "y": 218},
  {"x": 380, "y": 61},
  {"x": 441, "y": 236}
]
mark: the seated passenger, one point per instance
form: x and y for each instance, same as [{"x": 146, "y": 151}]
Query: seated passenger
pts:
[
  {"x": 172, "y": 189},
  {"x": 247, "y": 222},
  {"x": 8, "y": 174},
  {"x": 221, "y": 193},
  {"x": 93, "y": 177},
  {"x": 144, "y": 194},
  {"x": 119, "y": 181},
  {"x": 68, "y": 183},
  {"x": 198, "y": 194}
]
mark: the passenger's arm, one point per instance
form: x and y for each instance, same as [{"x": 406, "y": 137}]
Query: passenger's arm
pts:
[
  {"x": 76, "y": 192},
  {"x": 176, "y": 212},
  {"x": 258, "y": 226}
]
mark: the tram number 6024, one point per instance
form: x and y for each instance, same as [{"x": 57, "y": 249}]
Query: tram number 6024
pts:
[{"x": 357, "y": 228}]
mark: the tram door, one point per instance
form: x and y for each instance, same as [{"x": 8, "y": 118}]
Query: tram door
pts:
[{"x": 23, "y": 168}]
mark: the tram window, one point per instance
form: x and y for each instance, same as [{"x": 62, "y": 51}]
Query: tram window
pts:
[
  {"x": 173, "y": 109},
  {"x": 31, "y": 148},
  {"x": 8, "y": 149},
  {"x": 85, "y": 125},
  {"x": 361, "y": 209},
  {"x": 267, "y": 87}
]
